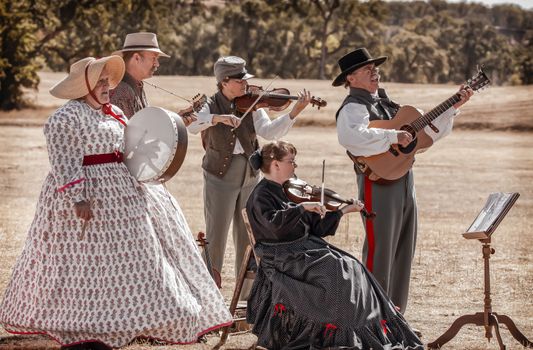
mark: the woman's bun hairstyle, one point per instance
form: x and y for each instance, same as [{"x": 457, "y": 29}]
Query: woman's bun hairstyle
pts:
[
  {"x": 276, "y": 150},
  {"x": 256, "y": 160}
]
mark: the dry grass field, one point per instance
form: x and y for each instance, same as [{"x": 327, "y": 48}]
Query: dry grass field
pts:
[{"x": 489, "y": 152}]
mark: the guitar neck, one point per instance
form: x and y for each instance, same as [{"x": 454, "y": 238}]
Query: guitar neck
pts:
[
  {"x": 427, "y": 118},
  {"x": 476, "y": 82}
]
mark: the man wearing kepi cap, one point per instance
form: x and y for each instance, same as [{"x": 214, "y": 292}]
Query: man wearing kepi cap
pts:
[
  {"x": 141, "y": 54},
  {"x": 229, "y": 141},
  {"x": 390, "y": 239}
]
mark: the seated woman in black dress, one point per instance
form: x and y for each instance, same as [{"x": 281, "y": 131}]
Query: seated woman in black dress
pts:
[{"x": 307, "y": 293}]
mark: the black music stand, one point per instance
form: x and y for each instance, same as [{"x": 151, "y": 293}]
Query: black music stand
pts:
[{"x": 497, "y": 206}]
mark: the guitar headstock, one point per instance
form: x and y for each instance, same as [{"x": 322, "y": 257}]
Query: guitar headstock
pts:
[
  {"x": 198, "y": 102},
  {"x": 318, "y": 102},
  {"x": 478, "y": 81}
]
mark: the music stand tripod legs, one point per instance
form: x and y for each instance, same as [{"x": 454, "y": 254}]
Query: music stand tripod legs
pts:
[{"x": 487, "y": 318}]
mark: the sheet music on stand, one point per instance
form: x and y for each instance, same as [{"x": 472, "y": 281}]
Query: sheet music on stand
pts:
[{"x": 488, "y": 219}]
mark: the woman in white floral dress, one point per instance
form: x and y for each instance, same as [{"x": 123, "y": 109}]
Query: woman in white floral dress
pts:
[{"x": 106, "y": 259}]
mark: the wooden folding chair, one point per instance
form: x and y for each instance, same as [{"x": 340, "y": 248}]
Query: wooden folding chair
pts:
[{"x": 244, "y": 273}]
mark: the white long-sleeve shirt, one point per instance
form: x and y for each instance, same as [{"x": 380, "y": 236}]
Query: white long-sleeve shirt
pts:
[
  {"x": 264, "y": 126},
  {"x": 354, "y": 134}
]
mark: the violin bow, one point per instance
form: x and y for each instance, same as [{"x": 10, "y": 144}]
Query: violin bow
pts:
[{"x": 256, "y": 100}]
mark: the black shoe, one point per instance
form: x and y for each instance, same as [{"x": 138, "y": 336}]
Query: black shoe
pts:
[{"x": 202, "y": 339}]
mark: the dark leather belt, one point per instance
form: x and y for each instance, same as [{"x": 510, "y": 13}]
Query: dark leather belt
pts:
[{"x": 94, "y": 159}]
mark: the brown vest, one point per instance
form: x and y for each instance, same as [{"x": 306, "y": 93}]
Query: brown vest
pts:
[{"x": 219, "y": 139}]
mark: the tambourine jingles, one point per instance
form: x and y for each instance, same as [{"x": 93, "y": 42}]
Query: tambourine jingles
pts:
[{"x": 155, "y": 144}]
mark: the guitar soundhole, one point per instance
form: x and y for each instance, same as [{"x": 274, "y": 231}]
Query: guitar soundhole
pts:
[{"x": 410, "y": 147}]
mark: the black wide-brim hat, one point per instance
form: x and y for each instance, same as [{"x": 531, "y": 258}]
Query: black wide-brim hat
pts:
[{"x": 353, "y": 60}]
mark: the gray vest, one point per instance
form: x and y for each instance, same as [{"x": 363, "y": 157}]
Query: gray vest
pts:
[
  {"x": 379, "y": 108},
  {"x": 219, "y": 139}
]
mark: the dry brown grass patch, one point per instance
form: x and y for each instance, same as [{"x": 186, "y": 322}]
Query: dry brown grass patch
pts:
[{"x": 453, "y": 180}]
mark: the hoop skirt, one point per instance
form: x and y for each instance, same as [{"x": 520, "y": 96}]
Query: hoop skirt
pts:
[
  {"x": 133, "y": 271},
  {"x": 308, "y": 294}
]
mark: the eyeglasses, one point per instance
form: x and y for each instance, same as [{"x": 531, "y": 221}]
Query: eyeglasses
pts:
[
  {"x": 292, "y": 161},
  {"x": 370, "y": 68}
]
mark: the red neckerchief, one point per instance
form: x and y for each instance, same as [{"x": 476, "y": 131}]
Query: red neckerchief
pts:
[{"x": 106, "y": 108}]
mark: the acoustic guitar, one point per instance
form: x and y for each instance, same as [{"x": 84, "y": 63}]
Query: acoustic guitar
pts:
[{"x": 396, "y": 162}]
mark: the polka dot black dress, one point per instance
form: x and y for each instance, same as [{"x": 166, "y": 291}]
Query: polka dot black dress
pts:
[{"x": 309, "y": 294}]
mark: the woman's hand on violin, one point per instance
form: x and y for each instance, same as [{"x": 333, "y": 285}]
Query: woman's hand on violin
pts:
[
  {"x": 304, "y": 97},
  {"x": 314, "y": 207},
  {"x": 83, "y": 210},
  {"x": 228, "y": 119},
  {"x": 356, "y": 206}
]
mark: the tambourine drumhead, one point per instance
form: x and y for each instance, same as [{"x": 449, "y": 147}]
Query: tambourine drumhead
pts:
[{"x": 155, "y": 144}]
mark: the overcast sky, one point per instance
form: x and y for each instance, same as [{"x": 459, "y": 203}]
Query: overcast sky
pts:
[{"x": 527, "y": 4}]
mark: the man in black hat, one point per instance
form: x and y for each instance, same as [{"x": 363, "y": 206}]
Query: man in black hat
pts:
[
  {"x": 390, "y": 239},
  {"x": 229, "y": 141}
]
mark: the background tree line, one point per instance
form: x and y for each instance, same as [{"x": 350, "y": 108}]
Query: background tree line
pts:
[{"x": 428, "y": 41}]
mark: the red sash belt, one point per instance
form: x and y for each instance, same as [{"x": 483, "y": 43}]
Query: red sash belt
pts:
[{"x": 103, "y": 158}]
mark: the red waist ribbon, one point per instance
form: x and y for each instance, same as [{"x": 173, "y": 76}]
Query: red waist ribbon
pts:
[{"x": 93, "y": 159}]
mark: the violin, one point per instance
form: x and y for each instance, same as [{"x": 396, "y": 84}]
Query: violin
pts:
[
  {"x": 202, "y": 242},
  {"x": 299, "y": 191},
  {"x": 275, "y": 99}
]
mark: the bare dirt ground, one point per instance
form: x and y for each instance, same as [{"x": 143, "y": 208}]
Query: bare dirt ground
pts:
[{"x": 453, "y": 180}]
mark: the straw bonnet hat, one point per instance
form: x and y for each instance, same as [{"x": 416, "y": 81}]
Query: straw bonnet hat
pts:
[
  {"x": 141, "y": 42},
  {"x": 75, "y": 84},
  {"x": 353, "y": 60}
]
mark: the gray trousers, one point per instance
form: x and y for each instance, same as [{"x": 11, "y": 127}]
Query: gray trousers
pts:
[
  {"x": 389, "y": 247},
  {"x": 224, "y": 199}
]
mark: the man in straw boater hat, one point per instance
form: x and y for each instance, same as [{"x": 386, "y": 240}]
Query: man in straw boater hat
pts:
[
  {"x": 390, "y": 239},
  {"x": 229, "y": 141},
  {"x": 93, "y": 273},
  {"x": 141, "y": 54}
]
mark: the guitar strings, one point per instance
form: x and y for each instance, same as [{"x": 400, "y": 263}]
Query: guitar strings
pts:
[{"x": 169, "y": 92}]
